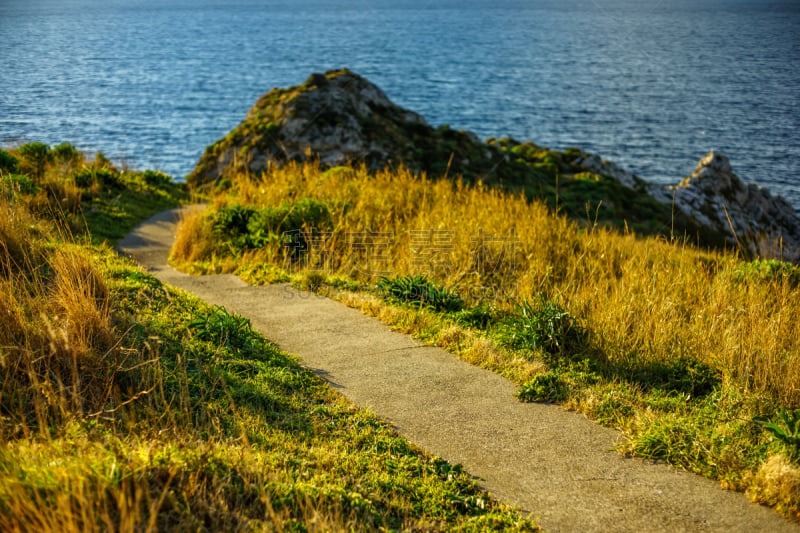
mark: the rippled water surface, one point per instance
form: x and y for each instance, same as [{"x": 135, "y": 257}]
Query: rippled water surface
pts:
[{"x": 651, "y": 85}]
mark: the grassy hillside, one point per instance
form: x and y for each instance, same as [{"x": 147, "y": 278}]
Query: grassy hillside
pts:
[
  {"x": 128, "y": 405},
  {"x": 694, "y": 355},
  {"x": 79, "y": 194},
  {"x": 341, "y": 116}
]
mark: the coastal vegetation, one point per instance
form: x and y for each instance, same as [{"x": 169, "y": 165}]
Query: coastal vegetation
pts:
[
  {"x": 129, "y": 405},
  {"x": 80, "y": 194},
  {"x": 692, "y": 354},
  {"x": 342, "y": 118}
]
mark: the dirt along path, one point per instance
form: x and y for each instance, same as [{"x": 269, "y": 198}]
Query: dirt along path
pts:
[{"x": 543, "y": 459}]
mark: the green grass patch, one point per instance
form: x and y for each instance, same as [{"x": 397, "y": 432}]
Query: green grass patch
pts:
[{"x": 421, "y": 291}]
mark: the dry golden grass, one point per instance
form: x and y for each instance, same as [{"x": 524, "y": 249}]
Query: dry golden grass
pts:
[
  {"x": 77, "y": 491},
  {"x": 777, "y": 484},
  {"x": 643, "y": 299},
  {"x": 57, "y": 343},
  {"x": 81, "y": 301},
  {"x": 185, "y": 247},
  {"x": 20, "y": 238}
]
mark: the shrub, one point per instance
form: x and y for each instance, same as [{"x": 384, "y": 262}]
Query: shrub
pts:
[
  {"x": 230, "y": 225},
  {"x": 35, "y": 157},
  {"x": 8, "y": 163},
  {"x": 66, "y": 153},
  {"x": 101, "y": 161},
  {"x": 156, "y": 178},
  {"x": 289, "y": 218},
  {"x": 20, "y": 183},
  {"x": 244, "y": 227},
  {"x": 84, "y": 179},
  {"x": 108, "y": 178}
]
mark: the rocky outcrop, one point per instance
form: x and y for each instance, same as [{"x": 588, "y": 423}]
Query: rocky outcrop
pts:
[
  {"x": 339, "y": 118},
  {"x": 765, "y": 225},
  {"x": 744, "y": 215}
]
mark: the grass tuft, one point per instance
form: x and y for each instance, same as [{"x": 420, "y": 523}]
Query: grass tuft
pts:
[{"x": 421, "y": 291}]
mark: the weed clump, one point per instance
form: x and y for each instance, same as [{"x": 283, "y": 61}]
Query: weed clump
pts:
[
  {"x": 785, "y": 430},
  {"x": 547, "y": 387},
  {"x": 241, "y": 228},
  {"x": 421, "y": 291},
  {"x": 545, "y": 325}
]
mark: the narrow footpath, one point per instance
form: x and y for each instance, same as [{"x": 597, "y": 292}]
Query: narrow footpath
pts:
[{"x": 543, "y": 459}]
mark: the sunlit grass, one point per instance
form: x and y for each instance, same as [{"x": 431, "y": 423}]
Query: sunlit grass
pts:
[
  {"x": 679, "y": 347},
  {"x": 127, "y": 405},
  {"x": 643, "y": 298}
]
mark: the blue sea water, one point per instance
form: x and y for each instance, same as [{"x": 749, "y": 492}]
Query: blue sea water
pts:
[{"x": 650, "y": 84}]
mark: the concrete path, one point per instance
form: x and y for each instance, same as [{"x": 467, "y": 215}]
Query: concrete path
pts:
[{"x": 553, "y": 463}]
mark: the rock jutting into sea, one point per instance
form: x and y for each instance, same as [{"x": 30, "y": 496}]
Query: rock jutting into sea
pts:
[
  {"x": 766, "y": 225},
  {"x": 341, "y": 118}
]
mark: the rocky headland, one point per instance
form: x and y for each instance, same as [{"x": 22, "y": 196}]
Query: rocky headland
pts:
[{"x": 341, "y": 118}]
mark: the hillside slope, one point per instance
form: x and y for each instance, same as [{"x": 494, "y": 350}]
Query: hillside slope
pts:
[{"x": 341, "y": 118}]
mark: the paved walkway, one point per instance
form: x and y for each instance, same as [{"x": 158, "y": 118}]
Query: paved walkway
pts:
[{"x": 548, "y": 461}]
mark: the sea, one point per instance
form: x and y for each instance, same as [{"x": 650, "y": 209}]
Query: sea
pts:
[{"x": 652, "y": 85}]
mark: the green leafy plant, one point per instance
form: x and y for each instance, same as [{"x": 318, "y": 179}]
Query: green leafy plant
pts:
[
  {"x": 767, "y": 270},
  {"x": 419, "y": 290},
  {"x": 545, "y": 325},
  {"x": 788, "y": 432},
  {"x": 547, "y": 387},
  {"x": 219, "y": 326}
]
